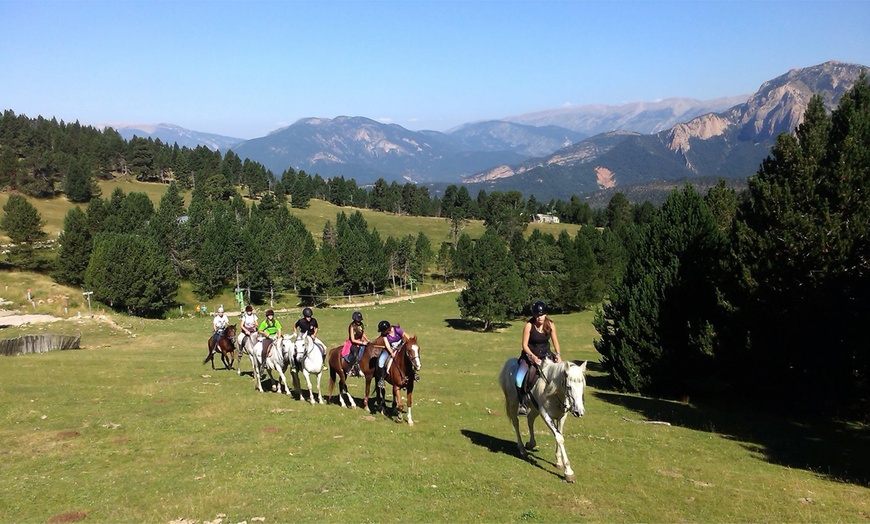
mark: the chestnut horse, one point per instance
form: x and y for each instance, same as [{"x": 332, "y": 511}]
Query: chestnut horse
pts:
[
  {"x": 401, "y": 374},
  {"x": 339, "y": 367},
  {"x": 226, "y": 347}
]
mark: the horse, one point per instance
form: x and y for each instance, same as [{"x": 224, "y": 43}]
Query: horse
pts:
[
  {"x": 278, "y": 360},
  {"x": 401, "y": 374},
  {"x": 226, "y": 347},
  {"x": 339, "y": 367},
  {"x": 246, "y": 347},
  {"x": 307, "y": 359},
  {"x": 557, "y": 392}
]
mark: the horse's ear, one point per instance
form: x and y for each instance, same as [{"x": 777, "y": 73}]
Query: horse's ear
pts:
[{"x": 582, "y": 364}]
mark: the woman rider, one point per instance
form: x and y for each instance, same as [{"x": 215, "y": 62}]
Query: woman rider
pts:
[
  {"x": 538, "y": 332},
  {"x": 307, "y": 325},
  {"x": 250, "y": 322},
  {"x": 356, "y": 334},
  {"x": 394, "y": 336}
]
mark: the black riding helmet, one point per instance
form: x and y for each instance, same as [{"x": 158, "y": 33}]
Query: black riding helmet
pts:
[
  {"x": 383, "y": 325},
  {"x": 270, "y": 313},
  {"x": 357, "y": 317},
  {"x": 539, "y": 308},
  {"x": 249, "y": 308},
  {"x": 307, "y": 312}
]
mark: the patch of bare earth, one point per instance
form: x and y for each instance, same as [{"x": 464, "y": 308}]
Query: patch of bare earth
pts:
[
  {"x": 69, "y": 516},
  {"x": 604, "y": 177}
]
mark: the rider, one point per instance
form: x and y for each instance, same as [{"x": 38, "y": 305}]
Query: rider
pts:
[
  {"x": 356, "y": 334},
  {"x": 538, "y": 332},
  {"x": 219, "y": 324},
  {"x": 394, "y": 338},
  {"x": 307, "y": 325},
  {"x": 271, "y": 329},
  {"x": 250, "y": 322}
]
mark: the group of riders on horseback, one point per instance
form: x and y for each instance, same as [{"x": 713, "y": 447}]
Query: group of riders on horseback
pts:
[
  {"x": 270, "y": 329},
  {"x": 538, "y": 333}
]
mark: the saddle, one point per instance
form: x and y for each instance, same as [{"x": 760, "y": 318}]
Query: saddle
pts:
[{"x": 267, "y": 350}]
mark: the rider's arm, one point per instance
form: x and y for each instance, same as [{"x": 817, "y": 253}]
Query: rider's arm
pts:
[
  {"x": 527, "y": 330},
  {"x": 555, "y": 341}
]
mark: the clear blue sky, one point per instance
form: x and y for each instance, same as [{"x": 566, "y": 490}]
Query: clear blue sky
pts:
[{"x": 246, "y": 68}]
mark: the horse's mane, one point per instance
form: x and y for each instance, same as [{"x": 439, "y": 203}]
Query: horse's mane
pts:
[{"x": 558, "y": 375}]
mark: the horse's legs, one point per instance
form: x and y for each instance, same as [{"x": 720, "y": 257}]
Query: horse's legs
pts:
[
  {"x": 308, "y": 381},
  {"x": 410, "y": 394},
  {"x": 530, "y": 418},
  {"x": 561, "y": 454},
  {"x": 284, "y": 381},
  {"x": 319, "y": 394}
]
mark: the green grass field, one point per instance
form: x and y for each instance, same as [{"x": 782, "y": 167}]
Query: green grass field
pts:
[{"x": 133, "y": 428}]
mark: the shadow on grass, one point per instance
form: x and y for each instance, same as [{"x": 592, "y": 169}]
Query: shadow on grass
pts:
[
  {"x": 463, "y": 324},
  {"x": 836, "y": 450},
  {"x": 508, "y": 447}
]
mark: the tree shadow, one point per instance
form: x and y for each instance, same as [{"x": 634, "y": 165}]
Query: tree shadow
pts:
[
  {"x": 832, "y": 449},
  {"x": 464, "y": 324}
]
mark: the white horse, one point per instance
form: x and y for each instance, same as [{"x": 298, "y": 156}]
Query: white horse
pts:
[
  {"x": 307, "y": 359},
  {"x": 557, "y": 392},
  {"x": 246, "y": 347},
  {"x": 276, "y": 361}
]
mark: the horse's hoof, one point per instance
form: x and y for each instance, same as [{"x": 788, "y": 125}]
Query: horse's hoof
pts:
[{"x": 569, "y": 479}]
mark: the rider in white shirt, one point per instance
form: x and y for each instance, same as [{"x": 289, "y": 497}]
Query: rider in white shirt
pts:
[
  {"x": 249, "y": 322},
  {"x": 219, "y": 324}
]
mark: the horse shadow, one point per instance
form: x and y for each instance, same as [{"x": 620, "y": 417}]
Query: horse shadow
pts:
[
  {"x": 832, "y": 449},
  {"x": 508, "y": 447}
]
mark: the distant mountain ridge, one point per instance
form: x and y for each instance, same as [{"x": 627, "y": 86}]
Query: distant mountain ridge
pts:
[
  {"x": 730, "y": 144},
  {"x": 173, "y": 134}
]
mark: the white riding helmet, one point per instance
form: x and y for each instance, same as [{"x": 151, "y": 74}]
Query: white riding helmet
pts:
[{"x": 220, "y": 309}]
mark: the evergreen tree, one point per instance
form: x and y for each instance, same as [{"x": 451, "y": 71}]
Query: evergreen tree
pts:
[
  {"x": 75, "y": 246},
  {"x": 128, "y": 272},
  {"x": 79, "y": 185},
  {"x": 423, "y": 255},
  {"x": 23, "y": 225},
  {"x": 657, "y": 329},
  {"x": 803, "y": 236},
  {"x": 495, "y": 292}
]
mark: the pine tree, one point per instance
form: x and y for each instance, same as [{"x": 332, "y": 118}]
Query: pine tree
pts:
[
  {"x": 802, "y": 239},
  {"x": 495, "y": 292},
  {"x": 128, "y": 272},
  {"x": 23, "y": 225},
  {"x": 75, "y": 248},
  {"x": 657, "y": 328}
]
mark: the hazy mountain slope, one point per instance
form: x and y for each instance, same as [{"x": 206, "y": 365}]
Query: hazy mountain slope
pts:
[{"x": 172, "y": 134}]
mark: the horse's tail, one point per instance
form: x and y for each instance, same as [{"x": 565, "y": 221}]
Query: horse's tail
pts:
[{"x": 508, "y": 385}]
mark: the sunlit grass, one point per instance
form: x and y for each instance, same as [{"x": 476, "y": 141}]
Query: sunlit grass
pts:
[{"x": 133, "y": 428}]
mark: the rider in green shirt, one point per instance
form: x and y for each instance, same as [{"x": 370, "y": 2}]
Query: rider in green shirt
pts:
[{"x": 271, "y": 329}]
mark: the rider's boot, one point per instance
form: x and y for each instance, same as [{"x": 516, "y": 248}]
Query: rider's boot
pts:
[{"x": 522, "y": 410}]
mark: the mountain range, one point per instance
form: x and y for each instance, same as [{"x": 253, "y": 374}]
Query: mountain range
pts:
[{"x": 551, "y": 154}]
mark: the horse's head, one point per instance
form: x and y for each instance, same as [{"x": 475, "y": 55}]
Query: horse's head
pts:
[
  {"x": 230, "y": 331},
  {"x": 575, "y": 384},
  {"x": 413, "y": 350}
]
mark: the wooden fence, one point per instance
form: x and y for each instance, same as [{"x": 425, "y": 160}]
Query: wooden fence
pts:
[{"x": 38, "y": 344}]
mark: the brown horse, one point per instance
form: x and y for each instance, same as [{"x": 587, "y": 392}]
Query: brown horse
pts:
[
  {"x": 340, "y": 368},
  {"x": 401, "y": 374},
  {"x": 226, "y": 347}
]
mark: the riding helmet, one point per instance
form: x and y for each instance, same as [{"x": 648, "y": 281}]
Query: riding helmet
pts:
[
  {"x": 307, "y": 312},
  {"x": 270, "y": 313},
  {"x": 539, "y": 308},
  {"x": 383, "y": 325},
  {"x": 357, "y": 316},
  {"x": 220, "y": 309},
  {"x": 249, "y": 308}
]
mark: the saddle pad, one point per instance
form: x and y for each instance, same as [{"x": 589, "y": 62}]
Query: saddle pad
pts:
[{"x": 345, "y": 351}]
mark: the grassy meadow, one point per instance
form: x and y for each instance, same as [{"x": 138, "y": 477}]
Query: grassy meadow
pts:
[{"x": 133, "y": 428}]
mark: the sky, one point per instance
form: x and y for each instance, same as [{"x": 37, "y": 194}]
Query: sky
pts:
[{"x": 246, "y": 68}]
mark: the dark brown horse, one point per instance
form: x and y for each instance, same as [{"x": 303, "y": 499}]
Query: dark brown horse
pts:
[
  {"x": 340, "y": 368},
  {"x": 226, "y": 347},
  {"x": 401, "y": 374}
]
